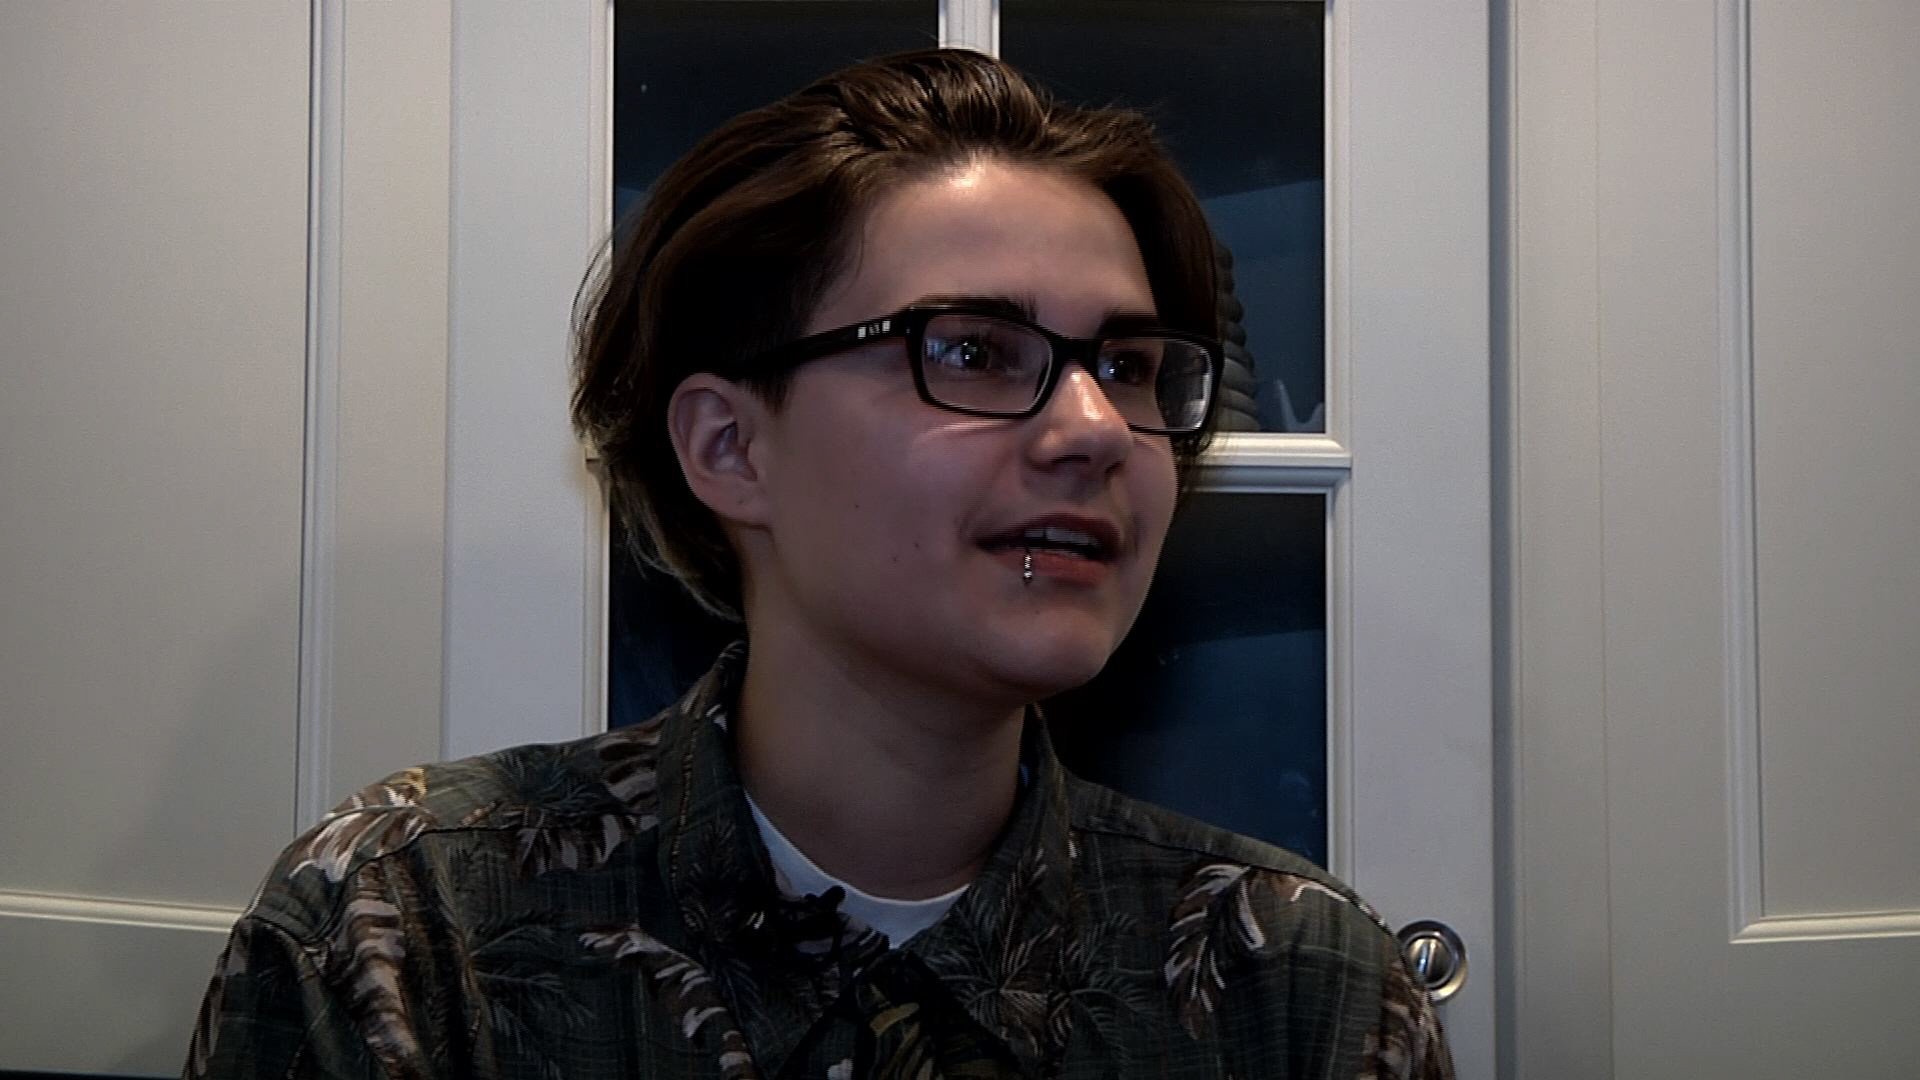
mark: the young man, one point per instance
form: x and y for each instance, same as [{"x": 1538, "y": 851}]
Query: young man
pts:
[{"x": 902, "y": 372}]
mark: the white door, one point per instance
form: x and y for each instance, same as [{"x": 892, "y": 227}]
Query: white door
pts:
[
  {"x": 1398, "y": 469},
  {"x": 1717, "y": 357},
  {"x": 222, "y": 388}
]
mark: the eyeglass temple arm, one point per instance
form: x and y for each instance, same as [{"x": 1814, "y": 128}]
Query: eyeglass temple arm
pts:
[{"x": 821, "y": 344}]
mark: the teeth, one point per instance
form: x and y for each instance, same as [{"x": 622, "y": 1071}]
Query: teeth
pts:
[
  {"x": 1054, "y": 538},
  {"x": 1052, "y": 535}
]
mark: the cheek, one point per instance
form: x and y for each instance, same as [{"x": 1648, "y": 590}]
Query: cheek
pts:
[
  {"x": 885, "y": 494},
  {"x": 924, "y": 490},
  {"x": 1156, "y": 488}
]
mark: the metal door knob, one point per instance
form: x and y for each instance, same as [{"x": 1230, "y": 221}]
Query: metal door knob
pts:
[{"x": 1436, "y": 957}]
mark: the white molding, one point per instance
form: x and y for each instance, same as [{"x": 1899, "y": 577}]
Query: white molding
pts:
[
  {"x": 1409, "y": 284},
  {"x": 1739, "y": 574},
  {"x": 320, "y": 490},
  {"x": 597, "y": 567},
  {"x": 528, "y": 94},
  {"x": 599, "y": 607},
  {"x": 1555, "y": 913},
  {"x": 1336, "y": 247},
  {"x": 1259, "y": 463},
  {"x": 1342, "y": 762},
  {"x": 1263, "y": 463},
  {"x": 970, "y": 24},
  {"x": 95, "y": 909},
  {"x": 1324, "y": 462},
  {"x": 1788, "y": 928}
]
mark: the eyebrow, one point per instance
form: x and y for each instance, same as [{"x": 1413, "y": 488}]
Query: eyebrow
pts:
[{"x": 1115, "y": 321}]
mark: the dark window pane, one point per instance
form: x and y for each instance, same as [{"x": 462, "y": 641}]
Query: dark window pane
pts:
[
  {"x": 1237, "y": 89},
  {"x": 682, "y": 67},
  {"x": 658, "y": 640},
  {"x": 1216, "y": 704}
]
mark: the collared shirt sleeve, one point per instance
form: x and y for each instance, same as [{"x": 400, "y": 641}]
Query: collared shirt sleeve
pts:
[
  {"x": 1408, "y": 1044},
  {"x": 1287, "y": 974},
  {"x": 268, "y": 1012}
]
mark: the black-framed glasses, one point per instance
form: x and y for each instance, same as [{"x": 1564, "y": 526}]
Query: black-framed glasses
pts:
[{"x": 981, "y": 362}]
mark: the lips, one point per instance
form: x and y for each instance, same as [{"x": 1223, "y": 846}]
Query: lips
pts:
[{"x": 1067, "y": 535}]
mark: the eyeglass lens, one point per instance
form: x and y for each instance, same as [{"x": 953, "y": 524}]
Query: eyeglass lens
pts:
[{"x": 992, "y": 365}]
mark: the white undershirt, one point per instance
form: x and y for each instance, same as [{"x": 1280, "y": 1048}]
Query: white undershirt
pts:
[{"x": 798, "y": 875}]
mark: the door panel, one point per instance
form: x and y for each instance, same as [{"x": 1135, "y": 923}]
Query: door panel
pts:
[
  {"x": 153, "y": 246},
  {"x": 1836, "y": 470},
  {"x": 1750, "y": 375},
  {"x": 223, "y": 301}
]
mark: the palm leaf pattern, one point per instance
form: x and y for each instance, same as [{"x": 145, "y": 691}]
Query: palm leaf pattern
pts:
[
  {"x": 377, "y": 820},
  {"x": 1105, "y": 991},
  {"x": 1408, "y": 1042},
  {"x": 546, "y": 845},
  {"x": 566, "y": 835},
  {"x": 1018, "y": 997},
  {"x": 509, "y": 969},
  {"x": 233, "y": 962},
  {"x": 629, "y": 760},
  {"x": 1030, "y": 980},
  {"x": 1003, "y": 969},
  {"x": 925, "y": 1039},
  {"x": 912, "y": 1054},
  {"x": 369, "y": 976},
  {"x": 1217, "y": 920},
  {"x": 686, "y": 989}
]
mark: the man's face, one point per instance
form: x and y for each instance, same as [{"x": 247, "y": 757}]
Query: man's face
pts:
[{"x": 888, "y": 521}]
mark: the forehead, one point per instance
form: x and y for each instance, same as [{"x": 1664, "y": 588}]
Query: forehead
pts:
[{"x": 995, "y": 230}]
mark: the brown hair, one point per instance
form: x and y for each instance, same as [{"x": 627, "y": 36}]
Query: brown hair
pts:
[{"x": 769, "y": 207}]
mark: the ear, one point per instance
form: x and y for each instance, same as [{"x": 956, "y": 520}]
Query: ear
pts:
[{"x": 713, "y": 423}]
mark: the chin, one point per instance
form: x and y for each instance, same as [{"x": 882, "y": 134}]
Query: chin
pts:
[{"x": 1040, "y": 669}]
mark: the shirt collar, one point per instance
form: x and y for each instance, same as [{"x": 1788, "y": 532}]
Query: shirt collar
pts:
[
  {"x": 1016, "y": 929},
  {"x": 791, "y": 956}
]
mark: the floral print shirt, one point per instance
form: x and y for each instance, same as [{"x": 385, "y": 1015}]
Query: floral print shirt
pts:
[{"x": 604, "y": 909}]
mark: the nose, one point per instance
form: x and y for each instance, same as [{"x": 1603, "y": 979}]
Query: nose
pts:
[{"x": 1080, "y": 427}]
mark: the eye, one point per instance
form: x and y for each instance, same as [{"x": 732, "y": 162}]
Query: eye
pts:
[
  {"x": 975, "y": 353},
  {"x": 1130, "y": 363},
  {"x": 963, "y": 346}
]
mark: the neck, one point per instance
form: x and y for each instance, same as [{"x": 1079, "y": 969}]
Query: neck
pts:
[{"x": 884, "y": 785}]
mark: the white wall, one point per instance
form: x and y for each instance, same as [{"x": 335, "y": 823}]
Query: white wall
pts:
[
  {"x": 223, "y": 234},
  {"x": 152, "y": 324}
]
